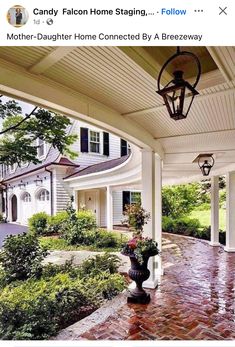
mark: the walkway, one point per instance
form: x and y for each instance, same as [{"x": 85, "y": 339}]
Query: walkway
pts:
[
  {"x": 194, "y": 301},
  {"x": 10, "y": 229}
]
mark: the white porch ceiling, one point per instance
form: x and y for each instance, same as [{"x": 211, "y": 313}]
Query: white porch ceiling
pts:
[{"x": 124, "y": 80}]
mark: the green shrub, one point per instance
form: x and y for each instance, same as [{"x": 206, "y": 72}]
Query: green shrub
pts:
[
  {"x": 86, "y": 220},
  {"x": 2, "y": 219},
  {"x": 38, "y": 223},
  {"x": 37, "y": 309},
  {"x": 104, "y": 286},
  {"x": 168, "y": 224},
  {"x": 205, "y": 234},
  {"x": 100, "y": 263},
  {"x": 56, "y": 222},
  {"x": 70, "y": 229},
  {"x": 21, "y": 257},
  {"x": 100, "y": 238},
  {"x": 184, "y": 225}
]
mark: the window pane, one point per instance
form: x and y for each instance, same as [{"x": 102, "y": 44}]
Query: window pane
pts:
[{"x": 94, "y": 147}]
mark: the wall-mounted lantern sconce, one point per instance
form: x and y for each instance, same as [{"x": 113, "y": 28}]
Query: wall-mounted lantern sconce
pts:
[
  {"x": 38, "y": 181},
  {"x": 21, "y": 185}
]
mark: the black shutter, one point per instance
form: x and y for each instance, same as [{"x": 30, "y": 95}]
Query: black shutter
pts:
[
  {"x": 126, "y": 196},
  {"x": 123, "y": 147},
  {"x": 105, "y": 143},
  {"x": 84, "y": 139}
]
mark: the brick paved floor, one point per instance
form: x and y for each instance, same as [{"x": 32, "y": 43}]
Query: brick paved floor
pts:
[{"x": 195, "y": 300}]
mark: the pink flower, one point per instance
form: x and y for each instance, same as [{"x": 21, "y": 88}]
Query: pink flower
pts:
[{"x": 132, "y": 243}]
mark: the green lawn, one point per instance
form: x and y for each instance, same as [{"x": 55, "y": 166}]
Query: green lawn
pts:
[{"x": 205, "y": 217}]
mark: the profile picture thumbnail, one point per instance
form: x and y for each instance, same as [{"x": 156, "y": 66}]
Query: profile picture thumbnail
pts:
[{"x": 17, "y": 16}]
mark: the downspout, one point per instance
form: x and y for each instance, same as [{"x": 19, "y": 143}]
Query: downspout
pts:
[
  {"x": 51, "y": 188},
  {"x": 6, "y": 202}
]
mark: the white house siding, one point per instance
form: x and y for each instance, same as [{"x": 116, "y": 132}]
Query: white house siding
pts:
[
  {"x": 62, "y": 192},
  {"x": 117, "y": 208},
  {"x": 87, "y": 159}
]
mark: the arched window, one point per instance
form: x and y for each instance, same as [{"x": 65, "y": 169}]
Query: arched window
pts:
[
  {"x": 44, "y": 195},
  {"x": 26, "y": 197}
]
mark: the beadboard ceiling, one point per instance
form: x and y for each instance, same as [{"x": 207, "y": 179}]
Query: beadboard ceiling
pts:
[{"x": 124, "y": 79}]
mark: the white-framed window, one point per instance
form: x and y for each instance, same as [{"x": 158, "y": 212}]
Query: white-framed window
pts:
[
  {"x": 41, "y": 148},
  {"x": 44, "y": 195},
  {"x": 24, "y": 164},
  {"x": 135, "y": 197},
  {"x": 26, "y": 197},
  {"x": 12, "y": 168},
  {"x": 94, "y": 141}
]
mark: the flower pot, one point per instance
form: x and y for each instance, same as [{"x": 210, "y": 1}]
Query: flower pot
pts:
[{"x": 138, "y": 273}]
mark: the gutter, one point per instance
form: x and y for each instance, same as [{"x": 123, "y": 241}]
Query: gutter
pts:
[
  {"x": 51, "y": 189},
  {"x": 38, "y": 168}
]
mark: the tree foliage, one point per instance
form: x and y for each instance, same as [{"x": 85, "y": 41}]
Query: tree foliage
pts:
[
  {"x": 20, "y": 132},
  {"x": 179, "y": 200}
]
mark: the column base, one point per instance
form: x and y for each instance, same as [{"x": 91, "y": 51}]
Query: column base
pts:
[
  {"x": 214, "y": 244},
  {"x": 151, "y": 284},
  {"x": 229, "y": 249}
]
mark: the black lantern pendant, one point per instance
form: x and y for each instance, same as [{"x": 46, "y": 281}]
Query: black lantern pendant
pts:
[
  {"x": 206, "y": 164},
  {"x": 177, "y": 90}
]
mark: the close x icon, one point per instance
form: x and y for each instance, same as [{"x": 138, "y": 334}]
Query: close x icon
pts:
[{"x": 223, "y": 10}]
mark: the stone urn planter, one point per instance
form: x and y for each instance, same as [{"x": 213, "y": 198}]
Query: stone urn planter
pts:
[
  {"x": 138, "y": 249},
  {"x": 138, "y": 273}
]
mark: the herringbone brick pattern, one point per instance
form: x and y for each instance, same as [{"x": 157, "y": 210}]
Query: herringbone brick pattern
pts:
[{"x": 195, "y": 300}]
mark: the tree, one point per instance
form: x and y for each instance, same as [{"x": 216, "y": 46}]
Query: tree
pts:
[
  {"x": 19, "y": 134},
  {"x": 179, "y": 200}
]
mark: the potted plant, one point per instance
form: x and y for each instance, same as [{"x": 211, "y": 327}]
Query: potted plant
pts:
[{"x": 138, "y": 249}]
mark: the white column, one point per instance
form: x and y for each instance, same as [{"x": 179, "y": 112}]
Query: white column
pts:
[
  {"x": 230, "y": 212},
  {"x": 109, "y": 208},
  {"x": 214, "y": 211},
  {"x": 151, "y": 201}
]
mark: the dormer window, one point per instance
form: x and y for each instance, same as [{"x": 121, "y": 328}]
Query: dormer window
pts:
[
  {"x": 12, "y": 168},
  {"x": 41, "y": 148}
]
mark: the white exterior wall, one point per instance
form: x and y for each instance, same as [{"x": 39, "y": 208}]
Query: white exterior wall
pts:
[
  {"x": 30, "y": 187},
  {"x": 87, "y": 159},
  {"x": 62, "y": 192},
  {"x": 117, "y": 208}
]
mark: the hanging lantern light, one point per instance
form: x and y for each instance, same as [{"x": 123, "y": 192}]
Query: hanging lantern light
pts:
[
  {"x": 178, "y": 89},
  {"x": 206, "y": 162}
]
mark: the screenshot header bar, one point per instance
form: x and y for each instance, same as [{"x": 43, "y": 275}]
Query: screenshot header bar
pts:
[{"x": 117, "y": 23}]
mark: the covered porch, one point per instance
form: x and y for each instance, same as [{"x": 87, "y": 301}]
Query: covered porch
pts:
[{"x": 115, "y": 89}]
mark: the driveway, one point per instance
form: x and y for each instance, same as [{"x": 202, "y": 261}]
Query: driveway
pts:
[{"x": 10, "y": 229}]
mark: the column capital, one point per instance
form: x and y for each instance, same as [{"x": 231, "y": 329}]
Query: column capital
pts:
[{"x": 147, "y": 150}]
